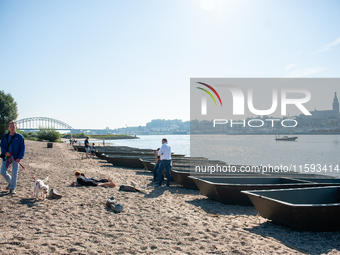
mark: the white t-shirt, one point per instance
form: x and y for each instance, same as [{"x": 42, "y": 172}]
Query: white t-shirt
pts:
[{"x": 165, "y": 152}]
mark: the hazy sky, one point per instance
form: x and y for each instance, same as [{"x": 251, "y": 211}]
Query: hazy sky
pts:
[{"x": 97, "y": 64}]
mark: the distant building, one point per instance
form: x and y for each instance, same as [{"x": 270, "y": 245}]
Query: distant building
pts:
[
  {"x": 322, "y": 118},
  {"x": 326, "y": 114}
]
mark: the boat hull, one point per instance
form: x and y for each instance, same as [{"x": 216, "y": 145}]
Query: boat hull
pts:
[
  {"x": 126, "y": 162},
  {"x": 183, "y": 177},
  {"x": 306, "y": 209},
  {"x": 227, "y": 190},
  {"x": 286, "y": 138}
]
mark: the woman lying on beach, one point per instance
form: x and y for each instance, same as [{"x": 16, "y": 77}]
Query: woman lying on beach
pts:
[{"x": 83, "y": 181}]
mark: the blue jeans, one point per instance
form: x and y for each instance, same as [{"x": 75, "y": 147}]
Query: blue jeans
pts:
[
  {"x": 12, "y": 180},
  {"x": 165, "y": 164},
  {"x": 155, "y": 170}
]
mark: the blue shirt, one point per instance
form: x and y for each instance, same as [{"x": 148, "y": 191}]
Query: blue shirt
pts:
[{"x": 10, "y": 149}]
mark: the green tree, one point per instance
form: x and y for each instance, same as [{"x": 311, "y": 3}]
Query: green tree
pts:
[
  {"x": 8, "y": 111},
  {"x": 49, "y": 134}
]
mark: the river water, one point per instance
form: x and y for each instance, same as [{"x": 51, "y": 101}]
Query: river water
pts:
[{"x": 309, "y": 153}]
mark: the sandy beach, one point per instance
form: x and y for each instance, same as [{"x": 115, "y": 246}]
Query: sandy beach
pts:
[{"x": 156, "y": 221}]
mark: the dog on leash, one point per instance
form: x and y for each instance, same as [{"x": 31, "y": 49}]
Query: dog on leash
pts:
[{"x": 40, "y": 189}]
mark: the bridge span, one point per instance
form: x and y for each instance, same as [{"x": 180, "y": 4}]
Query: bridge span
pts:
[{"x": 34, "y": 123}]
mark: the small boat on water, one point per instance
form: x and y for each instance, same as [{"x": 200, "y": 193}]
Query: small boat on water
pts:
[
  {"x": 304, "y": 209},
  {"x": 286, "y": 138}
]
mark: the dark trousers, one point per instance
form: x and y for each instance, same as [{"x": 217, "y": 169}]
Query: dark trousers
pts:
[
  {"x": 101, "y": 180},
  {"x": 165, "y": 164},
  {"x": 155, "y": 170}
]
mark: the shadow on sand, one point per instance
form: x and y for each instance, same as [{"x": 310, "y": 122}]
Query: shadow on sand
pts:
[
  {"x": 214, "y": 207},
  {"x": 314, "y": 243},
  {"x": 30, "y": 202}
]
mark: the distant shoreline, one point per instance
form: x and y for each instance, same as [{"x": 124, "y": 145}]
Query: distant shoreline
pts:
[
  {"x": 115, "y": 137},
  {"x": 291, "y": 134}
]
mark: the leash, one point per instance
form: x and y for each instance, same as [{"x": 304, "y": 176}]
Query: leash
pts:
[
  {"x": 21, "y": 166},
  {"x": 26, "y": 170}
]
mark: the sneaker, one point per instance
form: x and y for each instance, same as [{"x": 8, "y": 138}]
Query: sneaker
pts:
[
  {"x": 117, "y": 208},
  {"x": 8, "y": 187},
  {"x": 167, "y": 187},
  {"x": 12, "y": 192},
  {"x": 157, "y": 185},
  {"x": 110, "y": 202}
]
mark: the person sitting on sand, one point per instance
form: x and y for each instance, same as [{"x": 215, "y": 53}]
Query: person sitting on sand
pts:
[{"x": 82, "y": 181}]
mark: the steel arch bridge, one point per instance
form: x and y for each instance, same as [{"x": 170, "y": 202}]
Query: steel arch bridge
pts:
[{"x": 35, "y": 123}]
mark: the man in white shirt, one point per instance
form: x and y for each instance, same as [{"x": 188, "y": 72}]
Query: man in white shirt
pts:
[{"x": 165, "y": 154}]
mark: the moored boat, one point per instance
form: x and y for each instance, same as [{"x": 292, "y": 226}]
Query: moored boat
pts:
[
  {"x": 228, "y": 189},
  {"x": 131, "y": 162},
  {"x": 183, "y": 176},
  {"x": 286, "y": 138},
  {"x": 304, "y": 209},
  {"x": 321, "y": 181}
]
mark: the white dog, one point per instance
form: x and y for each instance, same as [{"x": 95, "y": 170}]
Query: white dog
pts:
[{"x": 40, "y": 189}]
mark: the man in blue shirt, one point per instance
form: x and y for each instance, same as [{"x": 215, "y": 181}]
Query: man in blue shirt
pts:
[{"x": 12, "y": 151}]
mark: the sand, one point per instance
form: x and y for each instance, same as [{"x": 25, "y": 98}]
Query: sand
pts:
[{"x": 157, "y": 221}]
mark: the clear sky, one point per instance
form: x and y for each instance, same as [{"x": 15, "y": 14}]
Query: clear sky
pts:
[{"x": 110, "y": 63}]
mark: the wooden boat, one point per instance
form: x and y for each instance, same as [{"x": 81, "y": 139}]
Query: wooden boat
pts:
[
  {"x": 210, "y": 190},
  {"x": 79, "y": 148},
  {"x": 149, "y": 165},
  {"x": 127, "y": 150},
  {"x": 322, "y": 181},
  {"x": 130, "y": 162},
  {"x": 305, "y": 209},
  {"x": 100, "y": 155},
  {"x": 286, "y": 138},
  {"x": 228, "y": 189},
  {"x": 121, "y": 149},
  {"x": 298, "y": 175},
  {"x": 185, "y": 162},
  {"x": 183, "y": 176}
]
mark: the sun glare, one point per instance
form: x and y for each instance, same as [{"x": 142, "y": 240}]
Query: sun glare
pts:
[
  {"x": 207, "y": 4},
  {"x": 225, "y": 6}
]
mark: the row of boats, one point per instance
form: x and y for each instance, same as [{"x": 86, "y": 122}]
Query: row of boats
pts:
[{"x": 306, "y": 202}]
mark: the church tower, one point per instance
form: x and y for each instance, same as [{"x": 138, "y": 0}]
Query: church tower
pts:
[{"x": 336, "y": 104}]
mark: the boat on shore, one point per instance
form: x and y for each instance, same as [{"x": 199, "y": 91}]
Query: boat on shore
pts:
[
  {"x": 126, "y": 161},
  {"x": 227, "y": 189},
  {"x": 183, "y": 175},
  {"x": 286, "y": 138},
  {"x": 303, "y": 209}
]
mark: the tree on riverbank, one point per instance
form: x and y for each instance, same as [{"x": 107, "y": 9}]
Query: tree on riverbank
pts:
[
  {"x": 49, "y": 134},
  {"x": 8, "y": 111}
]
